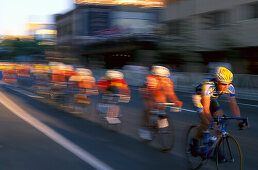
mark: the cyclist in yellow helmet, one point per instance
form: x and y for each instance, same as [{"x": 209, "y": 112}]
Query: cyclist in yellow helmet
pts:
[{"x": 206, "y": 104}]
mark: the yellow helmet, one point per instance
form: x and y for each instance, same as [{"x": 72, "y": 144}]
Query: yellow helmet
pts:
[{"x": 223, "y": 75}]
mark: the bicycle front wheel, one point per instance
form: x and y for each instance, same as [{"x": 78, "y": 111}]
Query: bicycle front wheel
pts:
[
  {"x": 228, "y": 154},
  {"x": 166, "y": 134}
]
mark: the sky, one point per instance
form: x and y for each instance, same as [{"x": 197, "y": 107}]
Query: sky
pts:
[{"x": 14, "y": 14}]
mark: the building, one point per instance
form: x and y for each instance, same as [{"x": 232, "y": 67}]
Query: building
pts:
[
  {"x": 117, "y": 29},
  {"x": 89, "y": 23},
  {"x": 218, "y": 30},
  {"x": 42, "y": 31}
]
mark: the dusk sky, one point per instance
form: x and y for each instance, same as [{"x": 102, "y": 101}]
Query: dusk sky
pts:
[{"x": 14, "y": 14}]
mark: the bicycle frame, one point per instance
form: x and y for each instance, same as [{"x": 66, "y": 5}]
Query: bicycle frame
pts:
[{"x": 220, "y": 120}]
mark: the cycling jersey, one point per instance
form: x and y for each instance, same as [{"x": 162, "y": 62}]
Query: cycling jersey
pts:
[
  {"x": 104, "y": 83},
  {"x": 160, "y": 89},
  {"x": 208, "y": 88}
]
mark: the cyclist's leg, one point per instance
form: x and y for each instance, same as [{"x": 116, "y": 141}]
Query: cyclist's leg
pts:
[
  {"x": 204, "y": 125},
  {"x": 205, "y": 121},
  {"x": 146, "y": 113}
]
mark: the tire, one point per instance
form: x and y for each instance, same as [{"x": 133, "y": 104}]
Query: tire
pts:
[
  {"x": 228, "y": 154},
  {"x": 166, "y": 136},
  {"x": 193, "y": 162}
]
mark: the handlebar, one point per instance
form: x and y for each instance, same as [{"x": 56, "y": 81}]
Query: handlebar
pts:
[
  {"x": 166, "y": 104},
  {"x": 172, "y": 106},
  {"x": 244, "y": 119}
]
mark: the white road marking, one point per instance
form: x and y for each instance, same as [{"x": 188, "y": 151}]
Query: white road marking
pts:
[
  {"x": 27, "y": 93},
  {"x": 67, "y": 144},
  {"x": 247, "y": 104}
]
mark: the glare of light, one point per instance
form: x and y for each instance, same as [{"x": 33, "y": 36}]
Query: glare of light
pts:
[
  {"x": 46, "y": 31},
  {"x": 144, "y": 3}
]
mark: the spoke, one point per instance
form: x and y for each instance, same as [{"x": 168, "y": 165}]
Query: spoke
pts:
[{"x": 229, "y": 150}]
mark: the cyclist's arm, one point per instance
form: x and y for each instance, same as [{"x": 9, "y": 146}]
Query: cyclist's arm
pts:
[
  {"x": 232, "y": 101},
  {"x": 206, "y": 100},
  {"x": 234, "y": 106},
  {"x": 171, "y": 93}
]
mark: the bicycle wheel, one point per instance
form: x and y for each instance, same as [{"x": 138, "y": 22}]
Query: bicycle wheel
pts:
[
  {"x": 166, "y": 133},
  {"x": 193, "y": 162},
  {"x": 228, "y": 154}
]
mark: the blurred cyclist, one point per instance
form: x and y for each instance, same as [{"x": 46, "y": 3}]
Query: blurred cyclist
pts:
[
  {"x": 115, "y": 83},
  {"x": 84, "y": 80},
  {"x": 206, "y": 104},
  {"x": 158, "y": 88}
]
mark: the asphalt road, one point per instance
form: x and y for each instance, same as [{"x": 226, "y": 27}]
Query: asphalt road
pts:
[{"x": 36, "y": 134}]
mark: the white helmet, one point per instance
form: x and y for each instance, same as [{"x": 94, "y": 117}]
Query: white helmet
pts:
[
  {"x": 69, "y": 67},
  {"x": 160, "y": 71},
  {"x": 114, "y": 74},
  {"x": 84, "y": 71}
]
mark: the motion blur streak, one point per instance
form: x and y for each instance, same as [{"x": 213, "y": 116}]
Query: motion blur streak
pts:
[{"x": 79, "y": 152}]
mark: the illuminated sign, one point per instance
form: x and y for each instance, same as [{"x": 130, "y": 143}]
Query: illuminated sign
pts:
[{"x": 144, "y": 3}]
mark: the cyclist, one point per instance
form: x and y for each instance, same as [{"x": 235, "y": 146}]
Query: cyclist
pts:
[
  {"x": 158, "y": 88},
  {"x": 84, "y": 79},
  {"x": 206, "y": 104},
  {"x": 82, "y": 82},
  {"x": 114, "y": 82}
]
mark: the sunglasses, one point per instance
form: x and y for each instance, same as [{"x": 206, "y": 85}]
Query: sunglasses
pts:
[{"x": 224, "y": 84}]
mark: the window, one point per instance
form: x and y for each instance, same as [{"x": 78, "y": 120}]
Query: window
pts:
[
  {"x": 215, "y": 19},
  {"x": 174, "y": 28},
  {"x": 253, "y": 11}
]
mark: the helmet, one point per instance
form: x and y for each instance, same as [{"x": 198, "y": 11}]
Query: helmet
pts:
[
  {"x": 84, "y": 71},
  {"x": 160, "y": 71},
  {"x": 224, "y": 75},
  {"x": 114, "y": 74},
  {"x": 69, "y": 67}
]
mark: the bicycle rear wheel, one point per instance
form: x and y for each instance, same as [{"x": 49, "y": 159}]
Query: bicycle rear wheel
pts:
[
  {"x": 228, "y": 154},
  {"x": 166, "y": 135},
  {"x": 193, "y": 162}
]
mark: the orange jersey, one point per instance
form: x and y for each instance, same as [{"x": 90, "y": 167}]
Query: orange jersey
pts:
[
  {"x": 87, "y": 82},
  {"x": 121, "y": 84},
  {"x": 160, "y": 89}
]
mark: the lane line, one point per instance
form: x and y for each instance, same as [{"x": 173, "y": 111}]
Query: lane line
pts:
[
  {"x": 247, "y": 104},
  {"x": 27, "y": 93},
  {"x": 58, "y": 138},
  {"x": 193, "y": 111}
]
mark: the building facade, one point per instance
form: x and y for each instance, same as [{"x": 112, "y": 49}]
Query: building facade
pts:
[
  {"x": 90, "y": 23},
  {"x": 221, "y": 31},
  {"x": 117, "y": 31}
]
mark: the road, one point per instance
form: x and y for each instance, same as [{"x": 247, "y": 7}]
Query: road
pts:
[{"x": 36, "y": 134}]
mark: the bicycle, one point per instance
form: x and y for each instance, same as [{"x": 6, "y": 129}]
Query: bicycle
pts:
[
  {"x": 109, "y": 112},
  {"x": 223, "y": 147},
  {"x": 161, "y": 126}
]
